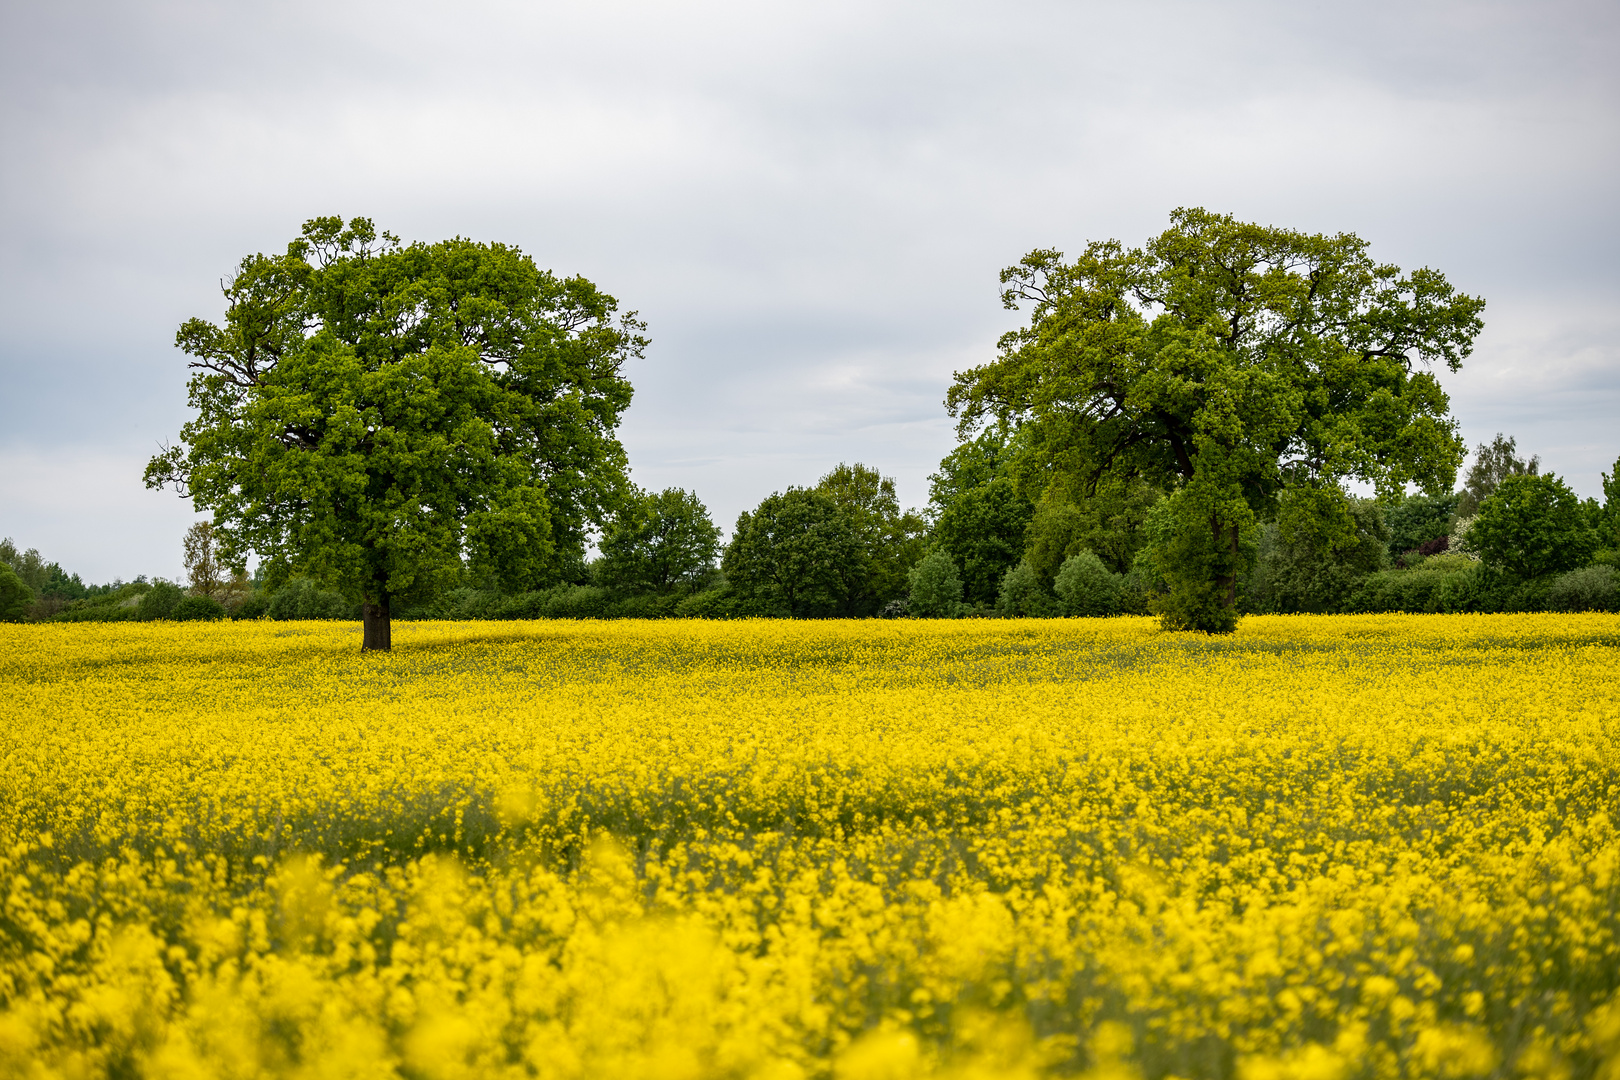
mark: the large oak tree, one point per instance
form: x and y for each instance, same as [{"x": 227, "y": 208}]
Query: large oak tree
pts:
[
  {"x": 1225, "y": 362},
  {"x": 379, "y": 415}
]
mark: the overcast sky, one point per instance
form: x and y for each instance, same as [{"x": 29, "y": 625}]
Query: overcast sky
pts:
[{"x": 807, "y": 202}]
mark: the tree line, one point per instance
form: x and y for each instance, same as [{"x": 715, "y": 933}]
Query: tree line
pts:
[{"x": 429, "y": 430}]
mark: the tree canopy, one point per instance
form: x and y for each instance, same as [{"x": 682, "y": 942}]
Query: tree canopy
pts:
[
  {"x": 658, "y": 543},
  {"x": 1225, "y": 362},
  {"x": 380, "y": 415}
]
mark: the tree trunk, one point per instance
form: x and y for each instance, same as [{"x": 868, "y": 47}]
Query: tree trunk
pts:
[{"x": 378, "y": 631}]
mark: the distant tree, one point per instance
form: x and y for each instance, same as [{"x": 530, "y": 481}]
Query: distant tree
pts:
[
  {"x": 15, "y": 596},
  {"x": 1609, "y": 535},
  {"x": 30, "y": 567},
  {"x": 796, "y": 554},
  {"x": 1107, "y": 521},
  {"x": 891, "y": 540},
  {"x": 936, "y": 588},
  {"x": 1325, "y": 544},
  {"x": 1086, "y": 587},
  {"x": 1532, "y": 525},
  {"x": 203, "y": 572},
  {"x": 983, "y": 530},
  {"x": 1419, "y": 519},
  {"x": 658, "y": 543},
  {"x": 1022, "y": 594},
  {"x": 1226, "y": 362},
  {"x": 379, "y": 416},
  {"x": 1494, "y": 462}
]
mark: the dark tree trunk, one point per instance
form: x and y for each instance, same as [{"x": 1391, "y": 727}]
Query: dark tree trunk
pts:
[{"x": 378, "y": 631}]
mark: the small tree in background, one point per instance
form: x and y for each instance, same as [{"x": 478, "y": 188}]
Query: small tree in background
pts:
[
  {"x": 795, "y": 554},
  {"x": 983, "y": 529},
  {"x": 936, "y": 587},
  {"x": 1022, "y": 594},
  {"x": 891, "y": 540},
  {"x": 659, "y": 543},
  {"x": 1086, "y": 587},
  {"x": 1417, "y": 520},
  {"x": 1494, "y": 462},
  {"x": 1531, "y": 526},
  {"x": 203, "y": 572}
]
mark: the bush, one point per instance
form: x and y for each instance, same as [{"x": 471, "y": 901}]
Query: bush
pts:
[
  {"x": 256, "y": 605},
  {"x": 716, "y": 603},
  {"x": 936, "y": 588},
  {"x": 1591, "y": 588},
  {"x": 160, "y": 601},
  {"x": 198, "y": 608},
  {"x": 1021, "y": 594},
  {"x": 302, "y": 598},
  {"x": 1086, "y": 587}
]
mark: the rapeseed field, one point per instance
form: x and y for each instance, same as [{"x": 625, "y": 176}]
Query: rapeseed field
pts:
[{"x": 1321, "y": 848}]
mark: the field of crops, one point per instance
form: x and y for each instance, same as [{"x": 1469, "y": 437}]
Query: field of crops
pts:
[{"x": 1324, "y": 848}]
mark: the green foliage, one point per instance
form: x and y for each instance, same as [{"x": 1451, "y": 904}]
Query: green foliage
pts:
[
  {"x": 1192, "y": 566},
  {"x": 256, "y": 605},
  {"x": 1023, "y": 594},
  {"x": 891, "y": 541},
  {"x": 303, "y": 598},
  {"x": 161, "y": 601},
  {"x": 983, "y": 530},
  {"x": 372, "y": 414},
  {"x": 1609, "y": 533},
  {"x": 1227, "y": 362},
  {"x": 1315, "y": 556},
  {"x": 1531, "y": 526},
  {"x": 1494, "y": 462},
  {"x": 797, "y": 554},
  {"x": 1445, "y": 583},
  {"x": 15, "y": 596},
  {"x": 1590, "y": 588},
  {"x": 198, "y": 608},
  {"x": 1107, "y": 522},
  {"x": 1417, "y": 520},
  {"x": 658, "y": 543},
  {"x": 1086, "y": 587},
  {"x": 936, "y": 588},
  {"x": 974, "y": 463}
]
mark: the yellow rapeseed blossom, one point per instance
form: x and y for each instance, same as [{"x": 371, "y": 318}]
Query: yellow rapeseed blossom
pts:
[{"x": 1320, "y": 849}]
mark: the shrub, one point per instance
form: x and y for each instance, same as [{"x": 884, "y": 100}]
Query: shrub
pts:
[
  {"x": 1021, "y": 594},
  {"x": 160, "y": 601},
  {"x": 936, "y": 588},
  {"x": 198, "y": 608},
  {"x": 716, "y": 603},
  {"x": 1591, "y": 588},
  {"x": 256, "y": 605},
  {"x": 1086, "y": 587},
  {"x": 302, "y": 598}
]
